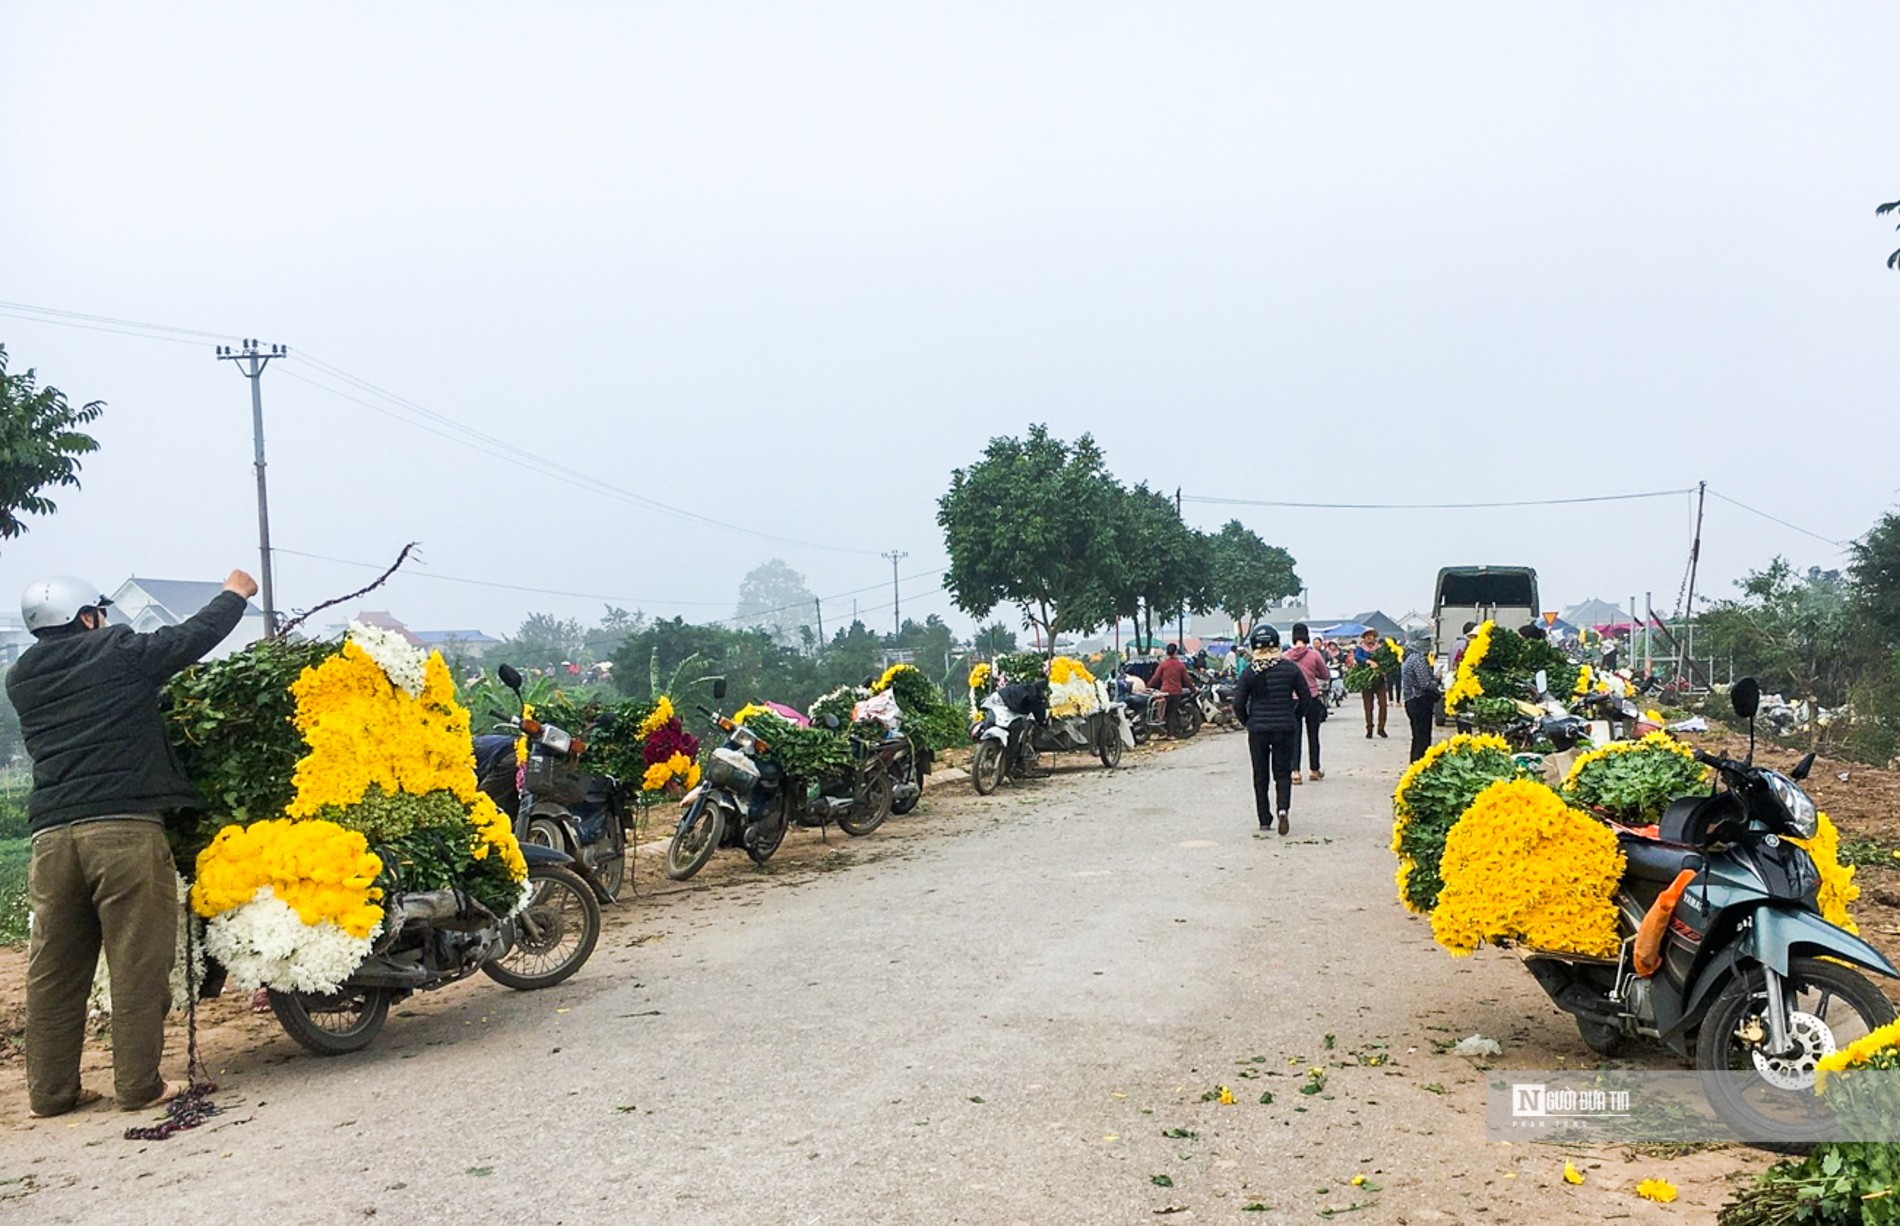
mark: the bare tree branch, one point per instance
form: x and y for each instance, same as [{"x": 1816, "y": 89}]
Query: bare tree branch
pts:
[{"x": 284, "y": 630}]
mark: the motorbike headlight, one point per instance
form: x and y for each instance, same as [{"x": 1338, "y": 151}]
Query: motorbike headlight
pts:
[
  {"x": 555, "y": 739},
  {"x": 1802, "y": 819}
]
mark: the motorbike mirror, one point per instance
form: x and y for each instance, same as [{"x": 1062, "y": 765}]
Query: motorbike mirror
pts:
[
  {"x": 719, "y": 689},
  {"x": 1543, "y": 682},
  {"x": 1747, "y": 697},
  {"x": 1802, "y": 768},
  {"x": 510, "y": 677}
]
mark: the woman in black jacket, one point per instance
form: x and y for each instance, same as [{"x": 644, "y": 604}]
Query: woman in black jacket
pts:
[{"x": 1268, "y": 700}]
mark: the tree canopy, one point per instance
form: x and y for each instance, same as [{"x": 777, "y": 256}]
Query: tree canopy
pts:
[
  {"x": 1249, "y": 576},
  {"x": 40, "y": 445},
  {"x": 773, "y": 597}
]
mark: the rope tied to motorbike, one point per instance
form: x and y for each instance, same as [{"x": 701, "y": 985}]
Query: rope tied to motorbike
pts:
[{"x": 192, "y": 1105}]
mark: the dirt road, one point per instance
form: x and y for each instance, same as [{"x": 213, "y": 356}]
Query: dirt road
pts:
[{"x": 1006, "y": 1010}]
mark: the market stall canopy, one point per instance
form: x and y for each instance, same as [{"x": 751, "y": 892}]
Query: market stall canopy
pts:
[{"x": 1344, "y": 630}]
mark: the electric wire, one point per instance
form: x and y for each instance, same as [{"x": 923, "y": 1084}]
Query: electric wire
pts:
[
  {"x": 1430, "y": 506},
  {"x": 1826, "y": 540}
]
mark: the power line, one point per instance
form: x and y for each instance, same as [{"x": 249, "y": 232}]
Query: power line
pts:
[
  {"x": 1826, "y": 540},
  {"x": 1432, "y": 506},
  {"x": 505, "y": 450}
]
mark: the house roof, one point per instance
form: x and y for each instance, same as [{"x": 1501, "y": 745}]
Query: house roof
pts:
[
  {"x": 431, "y": 638},
  {"x": 179, "y": 597},
  {"x": 382, "y": 619},
  {"x": 1594, "y": 612},
  {"x": 1386, "y": 627}
]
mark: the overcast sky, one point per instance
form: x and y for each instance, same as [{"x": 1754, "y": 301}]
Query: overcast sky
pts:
[{"x": 786, "y": 266}]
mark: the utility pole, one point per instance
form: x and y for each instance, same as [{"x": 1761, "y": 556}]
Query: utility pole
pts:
[
  {"x": 1180, "y": 612},
  {"x": 818, "y": 606},
  {"x": 897, "y": 620},
  {"x": 251, "y": 361},
  {"x": 1695, "y": 555}
]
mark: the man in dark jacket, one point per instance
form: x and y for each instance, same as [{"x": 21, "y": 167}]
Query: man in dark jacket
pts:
[
  {"x": 101, "y": 874},
  {"x": 1268, "y": 701}
]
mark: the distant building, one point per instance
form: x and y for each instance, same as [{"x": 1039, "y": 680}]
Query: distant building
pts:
[
  {"x": 150, "y": 604},
  {"x": 469, "y": 644}
]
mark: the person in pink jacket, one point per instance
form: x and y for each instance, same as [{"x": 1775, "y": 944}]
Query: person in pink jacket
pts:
[{"x": 1312, "y": 712}]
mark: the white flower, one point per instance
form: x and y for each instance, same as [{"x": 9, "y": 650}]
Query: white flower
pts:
[
  {"x": 403, "y": 664},
  {"x": 1079, "y": 695},
  {"x": 264, "y": 943}
]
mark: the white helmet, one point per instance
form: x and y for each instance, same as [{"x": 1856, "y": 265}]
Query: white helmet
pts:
[{"x": 50, "y": 603}]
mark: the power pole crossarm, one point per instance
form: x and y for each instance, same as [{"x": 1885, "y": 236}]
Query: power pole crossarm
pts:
[{"x": 251, "y": 360}]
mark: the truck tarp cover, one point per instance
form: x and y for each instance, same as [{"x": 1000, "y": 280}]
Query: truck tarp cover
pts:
[{"x": 1469, "y": 589}]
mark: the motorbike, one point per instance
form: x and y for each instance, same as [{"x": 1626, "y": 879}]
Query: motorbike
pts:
[
  {"x": 739, "y": 802},
  {"x": 858, "y": 799},
  {"x": 1749, "y": 981},
  {"x": 1010, "y": 742},
  {"x": 1178, "y": 716},
  {"x": 432, "y": 938},
  {"x": 557, "y": 804},
  {"x": 1214, "y": 695}
]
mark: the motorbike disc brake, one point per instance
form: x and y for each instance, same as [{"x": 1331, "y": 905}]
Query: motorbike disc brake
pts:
[{"x": 1811, "y": 1039}]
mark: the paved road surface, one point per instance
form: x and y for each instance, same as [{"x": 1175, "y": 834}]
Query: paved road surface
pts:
[{"x": 996, "y": 1021}]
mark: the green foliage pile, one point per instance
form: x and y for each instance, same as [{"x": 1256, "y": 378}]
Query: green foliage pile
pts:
[
  {"x": 611, "y": 731},
  {"x": 1361, "y": 677},
  {"x": 429, "y": 858},
  {"x": 383, "y": 818},
  {"x": 230, "y": 722},
  {"x": 838, "y": 704},
  {"x": 1433, "y": 801},
  {"x": 1512, "y": 663},
  {"x": 1635, "y": 786},
  {"x": 1838, "y": 1184},
  {"x": 802, "y": 753},
  {"x": 1488, "y": 712},
  {"x": 928, "y": 718},
  {"x": 1018, "y": 666}
]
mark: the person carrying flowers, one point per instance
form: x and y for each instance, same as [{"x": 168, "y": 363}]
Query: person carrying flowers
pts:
[
  {"x": 1363, "y": 655},
  {"x": 1268, "y": 701}
]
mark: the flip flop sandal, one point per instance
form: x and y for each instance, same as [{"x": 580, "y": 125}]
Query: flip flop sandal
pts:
[{"x": 86, "y": 1098}]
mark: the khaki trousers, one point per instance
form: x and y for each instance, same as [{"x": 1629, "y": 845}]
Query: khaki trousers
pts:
[{"x": 107, "y": 883}]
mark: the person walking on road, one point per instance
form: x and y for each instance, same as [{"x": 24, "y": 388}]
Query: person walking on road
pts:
[
  {"x": 1268, "y": 701},
  {"x": 1362, "y": 654},
  {"x": 101, "y": 873},
  {"x": 1418, "y": 689},
  {"x": 1313, "y": 711}
]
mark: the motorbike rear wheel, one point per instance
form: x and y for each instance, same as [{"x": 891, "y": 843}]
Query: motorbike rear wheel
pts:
[
  {"x": 554, "y": 934},
  {"x": 332, "y": 1024},
  {"x": 873, "y": 806},
  {"x": 1843, "y": 1007},
  {"x": 986, "y": 767},
  {"x": 696, "y": 839},
  {"x": 914, "y": 767}
]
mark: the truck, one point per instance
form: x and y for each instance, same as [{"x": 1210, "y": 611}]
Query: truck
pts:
[{"x": 1504, "y": 594}]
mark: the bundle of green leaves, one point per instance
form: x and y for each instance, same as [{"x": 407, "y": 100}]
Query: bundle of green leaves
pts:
[
  {"x": 1361, "y": 677},
  {"x": 442, "y": 858},
  {"x": 1019, "y": 666},
  {"x": 611, "y": 731},
  {"x": 1432, "y": 795},
  {"x": 1634, "y": 785},
  {"x": 838, "y": 704},
  {"x": 929, "y": 719},
  {"x": 1838, "y": 1184},
  {"x": 802, "y": 753},
  {"x": 231, "y": 722},
  {"x": 1513, "y": 661},
  {"x": 1488, "y": 712}
]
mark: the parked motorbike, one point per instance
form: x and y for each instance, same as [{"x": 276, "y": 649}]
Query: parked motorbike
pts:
[
  {"x": 858, "y": 799},
  {"x": 1214, "y": 696},
  {"x": 1010, "y": 740},
  {"x": 1179, "y": 716},
  {"x": 432, "y": 938},
  {"x": 737, "y": 804},
  {"x": 558, "y": 804},
  {"x": 1749, "y": 979}
]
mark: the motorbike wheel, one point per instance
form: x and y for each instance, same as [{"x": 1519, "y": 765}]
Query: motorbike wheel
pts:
[
  {"x": 1110, "y": 747},
  {"x": 1141, "y": 728},
  {"x": 869, "y": 813},
  {"x": 986, "y": 767},
  {"x": 695, "y": 841},
  {"x": 333, "y": 1024},
  {"x": 1775, "y": 1107},
  {"x": 612, "y": 874},
  {"x": 901, "y": 807},
  {"x": 554, "y": 934},
  {"x": 772, "y": 836},
  {"x": 1603, "y": 1039}
]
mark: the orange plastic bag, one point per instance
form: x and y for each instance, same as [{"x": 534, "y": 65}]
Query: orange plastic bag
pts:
[{"x": 1648, "y": 954}]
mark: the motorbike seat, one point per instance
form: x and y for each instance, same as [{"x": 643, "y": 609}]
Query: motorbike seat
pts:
[
  {"x": 1654, "y": 860},
  {"x": 490, "y": 750}
]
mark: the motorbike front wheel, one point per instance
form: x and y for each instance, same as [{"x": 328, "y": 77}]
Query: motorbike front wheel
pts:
[
  {"x": 1109, "y": 748},
  {"x": 874, "y": 803},
  {"x": 332, "y": 1024},
  {"x": 696, "y": 839},
  {"x": 1770, "y": 1100},
  {"x": 554, "y": 934},
  {"x": 986, "y": 767}
]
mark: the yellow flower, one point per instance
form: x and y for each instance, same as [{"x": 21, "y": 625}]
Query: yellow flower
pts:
[
  {"x": 1062, "y": 670},
  {"x": 1465, "y": 684},
  {"x": 1522, "y": 866},
  {"x": 1571, "y": 1173},
  {"x": 1397, "y": 650},
  {"x": 317, "y": 868},
  {"x": 1226, "y": 1097},
  {"x": 1659, "y": 1190},
  {"x": 748, "y": 711},
  {"x": 980, "y": 676},
  {"x": 890, "y": 676},
  {"x": 1859, "y": 1052},
  {"x": 1837, "y": 879},
  {"x": 662, "y": 716},
  {"x": 1651, "y": 741},
  {"x": 1583, "y": 682}
]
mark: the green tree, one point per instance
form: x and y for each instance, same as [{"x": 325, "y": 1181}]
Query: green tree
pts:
[
  {"x": 544, "y": 641},
  {"x": 1874, "y": 570},
  {"x": 616, "y": 626},
  {"x": 1794, "y": 634},
  {"x": 40, "y": 445},
  {"x": 1248, "y": 576},
  {"x": 995, "y": 639},
  {"x": 773, "y": 597},
  {"x": 1036, "y": 522},
  {"x": 1169, "y": 566}
]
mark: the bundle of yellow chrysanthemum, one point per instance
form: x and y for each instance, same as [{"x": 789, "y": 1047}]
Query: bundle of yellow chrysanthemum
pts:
[
  {"x": 1465, "y": 684},
  {"x": 1522, "y": 866},
  {"x": 1072, "y": 688},
  {"x": 1878, "y": 1049},
  {"x": 1838, "y": 890},
  {"x": 290, "y": 901}
]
